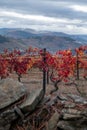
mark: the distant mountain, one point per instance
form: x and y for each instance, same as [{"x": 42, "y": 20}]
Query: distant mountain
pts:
[
  {"x": 80, "y": 38},
  {"x": 10, "y": 43},
  {"x": 51, "y": 42},
  {"x": 27, "y": 33},
  {"x": 16, "y": 33},
  {"x": 3, "y": 39},
  {"x": 19, "y": 33}
]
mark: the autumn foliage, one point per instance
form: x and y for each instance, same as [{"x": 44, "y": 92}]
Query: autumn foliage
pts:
[{"x": 63, "y": 62}]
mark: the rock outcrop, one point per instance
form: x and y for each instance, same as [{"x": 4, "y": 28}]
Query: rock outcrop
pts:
[
  {"x": 54, "y": 112},
  {"x": 74, "y": 114},
  {"x": 15, "y": 101}
]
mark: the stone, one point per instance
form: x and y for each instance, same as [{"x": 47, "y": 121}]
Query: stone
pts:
[
  {"x": 72, "y": 111},
  {"x": 7, "y": 127},
  {"x": 71, "y": 114},
  {"x": 78, "y": 99},
  {"x": 71, "y": 117},
  {"x": 84, "y": 113},
  {"x": 46, "y": 99},
  {"x": 69, "y": 105},
  {"x": 62, "y": 97},
  {"x": 52, "y": 123},
  {"x": 71, "y": 125},
  {"x": 32, "y": 100},
  {"x": 53, "y": 101},
  {"x": 6, "y": 118},
  {"x": 11, "y": 91},
  {"x": 64, "y": 125}
]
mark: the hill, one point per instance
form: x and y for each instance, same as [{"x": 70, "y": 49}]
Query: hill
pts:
[
  {"x": 27, "y": 33},
  {"x": 52, "y": 43},
  {"x": 10, "y": 43},
  {"x": 3, "y": 39},
  {"x": 81, "y": 38}
]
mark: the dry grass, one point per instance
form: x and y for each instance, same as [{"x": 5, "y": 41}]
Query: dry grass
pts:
[{"x": 34, "y": 80}]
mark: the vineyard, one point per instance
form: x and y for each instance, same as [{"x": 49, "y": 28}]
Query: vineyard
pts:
[
  {"x": 36, "y": 67},
  {"x": 61, "y": 66}
]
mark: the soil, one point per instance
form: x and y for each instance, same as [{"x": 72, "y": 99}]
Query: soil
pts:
[{"x": 34, "y": 79}]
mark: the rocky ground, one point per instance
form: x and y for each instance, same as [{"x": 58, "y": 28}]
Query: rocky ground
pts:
[{"x": 65, "y": 109}]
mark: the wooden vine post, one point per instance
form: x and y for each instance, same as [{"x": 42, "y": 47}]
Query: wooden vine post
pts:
[
  {"x": 44, "y": 71},
  {"x": 77, "y": 65},
  {"x": 48, "y": 76}
]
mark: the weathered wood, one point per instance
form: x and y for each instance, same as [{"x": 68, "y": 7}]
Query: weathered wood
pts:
[
  {"x": 77, "y": 65},
  {"x": 44, "y": 71},
  {"x": 56, "y": 86}
]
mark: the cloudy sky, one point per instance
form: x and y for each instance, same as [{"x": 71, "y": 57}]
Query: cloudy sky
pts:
[{"x": 69, "y": 16}]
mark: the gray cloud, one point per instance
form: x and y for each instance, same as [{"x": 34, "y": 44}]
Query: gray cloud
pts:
[{"x": 54, "y": 15}]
